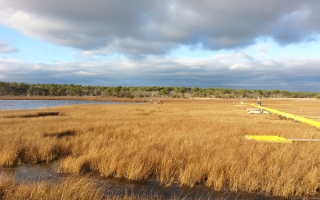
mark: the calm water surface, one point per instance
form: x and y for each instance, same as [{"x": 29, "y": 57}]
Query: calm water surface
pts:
[{"x": 35, "y": 104}]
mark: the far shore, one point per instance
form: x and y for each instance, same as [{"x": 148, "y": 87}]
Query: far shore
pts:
[
  {"x": 78, "y": 98},
  {"x": 136, "y": 99}
]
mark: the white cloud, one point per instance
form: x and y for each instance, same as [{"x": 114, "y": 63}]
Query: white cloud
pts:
[
  {"x": 195, "y": 67},
  {"x": 6, "y": 48},
  {"x": 261, "y": 48},
  {"x": 239, "y": 66},
  {"x": 267, "y": 62},
  {"x": 84, "y": 73}
]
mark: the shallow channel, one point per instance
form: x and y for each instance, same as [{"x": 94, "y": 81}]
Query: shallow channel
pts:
[{"x": 122, "y": 187}]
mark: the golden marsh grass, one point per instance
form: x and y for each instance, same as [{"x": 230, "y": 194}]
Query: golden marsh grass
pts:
[
  {"x": 185, "y": 141},
  {"x": 65, "y": 189}
]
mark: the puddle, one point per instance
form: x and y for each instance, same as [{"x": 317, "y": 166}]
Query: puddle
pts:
[
  {"x": 122, "y": 187},
  {"x": 33, "y": 172}
]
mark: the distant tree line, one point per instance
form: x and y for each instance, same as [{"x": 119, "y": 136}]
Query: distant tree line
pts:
[{"x": 23, "y": 89}]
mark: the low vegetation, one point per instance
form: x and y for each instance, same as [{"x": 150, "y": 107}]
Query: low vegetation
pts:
[{"x": 186, "y": 141}]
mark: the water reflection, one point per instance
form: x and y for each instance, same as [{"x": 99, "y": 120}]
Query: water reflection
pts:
[
  {"x": 35, "y": 104},
  {"x": 32, "y": 172}
]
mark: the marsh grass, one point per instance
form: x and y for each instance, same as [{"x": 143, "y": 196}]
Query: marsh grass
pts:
[{"x": 186, "y": 142}]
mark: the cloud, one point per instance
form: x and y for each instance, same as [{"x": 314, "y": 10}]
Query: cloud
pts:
[
  {"x": 138, "y": 28},
  {"x": 84, "y": 73},
  {"x": 239, "y": 66},
  {"x": 5, "y": 48},
  {"x": 295, "y": 74}
]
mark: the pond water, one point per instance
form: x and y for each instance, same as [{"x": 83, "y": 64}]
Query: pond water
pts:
[
  {"x": 35, "y": 104},
  {"x": 122, "y": 187}
]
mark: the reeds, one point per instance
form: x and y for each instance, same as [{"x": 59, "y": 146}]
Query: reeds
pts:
[{"x": 189, "y": 142}]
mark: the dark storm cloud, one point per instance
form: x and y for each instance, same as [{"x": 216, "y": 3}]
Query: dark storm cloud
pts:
[{"x": 144, "y": 27}]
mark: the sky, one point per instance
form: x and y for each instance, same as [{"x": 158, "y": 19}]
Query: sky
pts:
[{"x": 251, "y": 44}]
